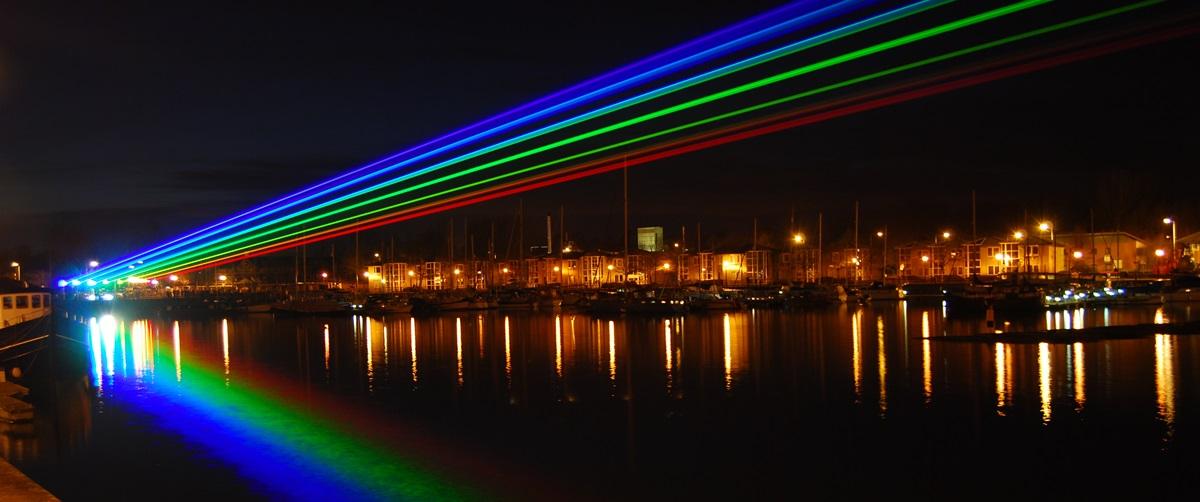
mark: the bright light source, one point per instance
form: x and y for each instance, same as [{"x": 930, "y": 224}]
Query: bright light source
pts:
[
  {"x": 1018, "y": 235},
  {"x": 1160, "y": 253},
  {"x": 108, "y": 297},
  {"x": 153, "y": 282},
  {"x": 377, "y": 255},
  {"x": 93, "y": 264},
  {"x": 925, "y": 258},
  {"x": 15, "y": 264},
  {"x": 411, "y": 273},
  {"x": 75, "y": 282},
  {"x": 505, "y": 269},
  {"x": 610, "y": 267},
  {"x": 62, "y": 283},
  {"x": 676, "y": 244},
  {"x": 91, "y": 282},
  {"x": 854, "y": 260},
  {"x": 879, "y": 233},
  {"x": 1168, "y": 221},
  {"x": 324, "y": 275},
  {"x": 457, "y": 271},
  {"x": 221, "y": 277},
  {"x": 666, "y": 265},
  {"x": 1044, "y": 226},
  {"x": 1077, "y": 254},
  {"x": 173, "y": 278},
  {"x": 556, "y": 269},
  {"x": 946, "y": 234},
  {"x": 798, "y": 238},
  {"x": 367, "y": 275}
]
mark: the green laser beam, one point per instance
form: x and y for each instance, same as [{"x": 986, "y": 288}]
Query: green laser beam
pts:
[{"x": 921, "y": 35}]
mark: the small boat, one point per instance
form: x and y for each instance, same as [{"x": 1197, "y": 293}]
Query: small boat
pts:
[
  {"x": 311, "y": 306},
  {"x": 606, "y": 303},
  {"x": 25, "y": 321},
  {"x": 918, "y": 292},
  {"x": 713, "y": 301},
  {"x": 879, "y": 292},
  {"x": 1184, "y": 288},
  {"x": 461, "y": 304},
  {"x": 389, "y": 305}
]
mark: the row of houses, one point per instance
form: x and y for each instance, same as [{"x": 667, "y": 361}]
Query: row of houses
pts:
[
  {"x": 1103, "y": 252},
  {"x": 578, "y": 270}
]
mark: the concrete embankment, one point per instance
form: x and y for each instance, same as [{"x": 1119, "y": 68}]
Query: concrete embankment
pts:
[
  {"x": 1132, "y": 331},
  {"x": 15, "y": 486}
]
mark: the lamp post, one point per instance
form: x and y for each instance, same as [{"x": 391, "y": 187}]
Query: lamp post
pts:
[
  {"x": 883, "y": 234},
  {"x": 18, "y": 267},
  {"x": 933, "y": 258},
  {"x": 1020, "y": 237},
  {"x": 1171, "y": 221},
  {"x": 1047, "y": 226},
  {"x": 797, "y": 241}
]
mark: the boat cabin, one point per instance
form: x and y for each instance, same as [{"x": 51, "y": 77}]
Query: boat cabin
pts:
[{"x": 20, "y": 303}]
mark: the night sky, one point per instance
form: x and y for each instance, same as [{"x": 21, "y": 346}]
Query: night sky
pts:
[{"x": 122, "y": 124}]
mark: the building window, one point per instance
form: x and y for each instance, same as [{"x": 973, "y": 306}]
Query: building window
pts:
[
  {"x": 1033, "y": 250},
  {"x": 992, "y": 251},
  {"x": 22, "y": 302},
  {"x": 37, "y": 301},
  {"x": 7, "y": 302}
]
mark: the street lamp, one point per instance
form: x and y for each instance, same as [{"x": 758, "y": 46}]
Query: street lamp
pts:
[
  {"x": 1025, "y": 252},
  {"x": 883, "y": 234},
  {"x": 1047, "y": 226},
  {"x": 1171, "y": 221},
  {"x": 18, "y": 267},
  {"x": 324, "y": 275}
]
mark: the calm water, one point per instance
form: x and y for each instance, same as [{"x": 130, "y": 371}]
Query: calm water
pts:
[{"x": 848, "y": 402}]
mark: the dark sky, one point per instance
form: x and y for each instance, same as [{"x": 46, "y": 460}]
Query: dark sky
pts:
[{"x": 124, "y": 123}]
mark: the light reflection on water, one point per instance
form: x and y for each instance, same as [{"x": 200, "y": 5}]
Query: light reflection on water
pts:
[{"x": 787, "y": 363}]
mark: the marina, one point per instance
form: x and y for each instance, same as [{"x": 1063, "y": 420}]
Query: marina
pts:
[{"x": 605, "y": 395}]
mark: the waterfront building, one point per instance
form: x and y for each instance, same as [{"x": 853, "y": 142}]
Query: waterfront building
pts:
[
  {"x": 758, "y": 267},
  {"x": 650, "y": 239},
  {"x": 1106, "y": 252},
  {"x": 1189, "y": 249}
]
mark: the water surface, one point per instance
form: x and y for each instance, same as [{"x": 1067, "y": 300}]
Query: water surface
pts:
[{"x": 853, "y": 401}]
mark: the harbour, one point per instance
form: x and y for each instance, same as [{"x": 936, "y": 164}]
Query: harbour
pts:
[{"x": 565, "y": 404}]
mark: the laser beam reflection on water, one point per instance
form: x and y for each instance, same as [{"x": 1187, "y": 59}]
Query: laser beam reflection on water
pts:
[{"x": 285, "y": 450}]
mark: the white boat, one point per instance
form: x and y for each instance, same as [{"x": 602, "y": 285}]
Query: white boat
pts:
[{"x": 21, "y": 309}]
